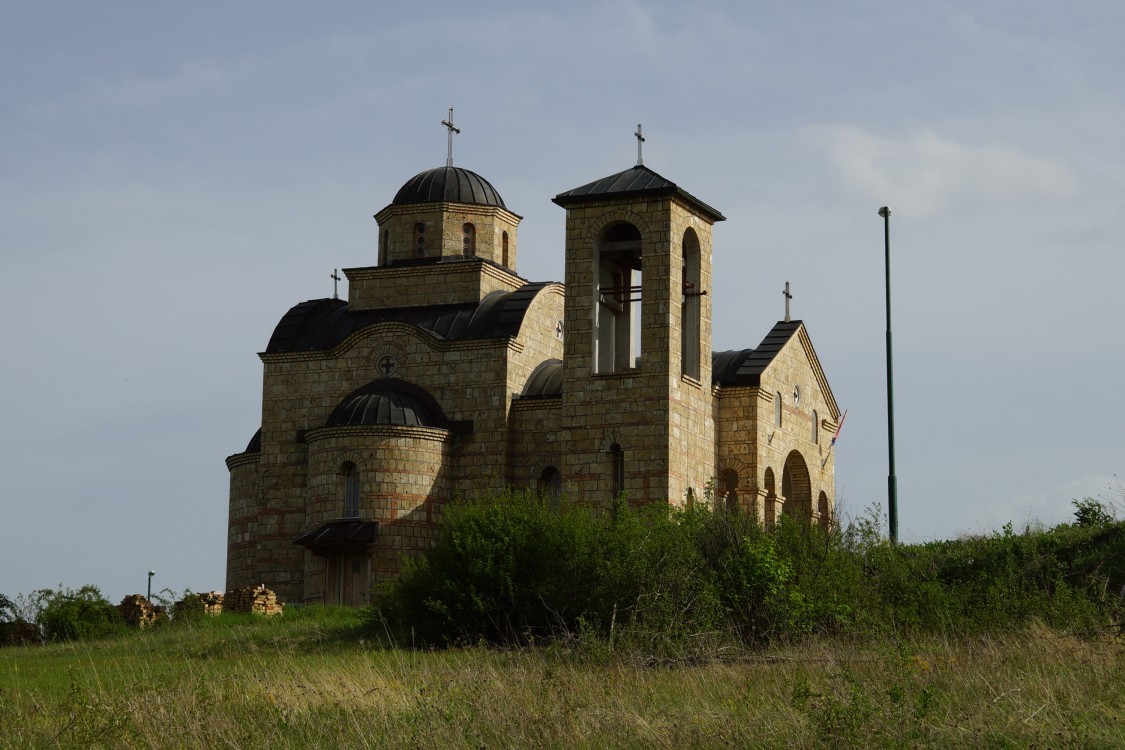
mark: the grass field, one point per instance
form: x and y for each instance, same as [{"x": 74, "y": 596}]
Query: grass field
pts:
[{"x": 311, "y": 680}]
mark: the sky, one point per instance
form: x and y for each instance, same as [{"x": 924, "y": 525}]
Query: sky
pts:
[{"x": 174, "y": 177}]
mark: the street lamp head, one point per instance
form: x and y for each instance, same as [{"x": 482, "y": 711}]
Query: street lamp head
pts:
[
  {"x": 884, "y": 212},
  {"x": 151, "y": 573}
]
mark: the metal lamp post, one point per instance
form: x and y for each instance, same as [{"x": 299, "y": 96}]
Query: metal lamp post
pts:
[
  {"x": 151, "y": 573},
  {"x": 892, "y": 481}
]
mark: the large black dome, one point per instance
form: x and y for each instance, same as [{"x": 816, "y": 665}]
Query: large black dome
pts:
[{"x": 448, "y": 185}]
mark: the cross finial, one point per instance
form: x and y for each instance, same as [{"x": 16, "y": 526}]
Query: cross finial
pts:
[
  {"x": 448, "y": 123},
  {"x": 640, "y": 140},
  {"x": 788, "y": 297},
  {"x": 335, "y": 280}
]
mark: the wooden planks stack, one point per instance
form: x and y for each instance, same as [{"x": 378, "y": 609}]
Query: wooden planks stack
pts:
[
  {"x": 197, "y": 605},
  {"x": 139, "y": 611},
  {"x": 254, "y": 599}
]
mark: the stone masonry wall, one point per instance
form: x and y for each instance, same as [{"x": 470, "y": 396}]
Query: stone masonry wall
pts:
[{"x": 242, "y": 518}]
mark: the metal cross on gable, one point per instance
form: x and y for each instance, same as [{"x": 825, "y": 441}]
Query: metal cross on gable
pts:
[
  {"x": 335, "y": 281},
  {"x": 788, "y": 297},
  {"x": 640, "y": 139},
  {"x": 448, "y": 123}
]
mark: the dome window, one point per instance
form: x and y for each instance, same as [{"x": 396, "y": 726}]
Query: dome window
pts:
[
  {"x": 420, "y": 240},
  {"x": 468, "y": 240}
]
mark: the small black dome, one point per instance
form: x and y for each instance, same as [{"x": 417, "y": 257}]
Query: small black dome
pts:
[
  {"x": 382, "y": 407},
  {"x": 448, "y": 185}
]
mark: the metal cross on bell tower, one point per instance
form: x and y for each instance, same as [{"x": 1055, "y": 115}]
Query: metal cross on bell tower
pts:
[
  {"x": 448, "y": 123},
  {"x": 788, "y": 297},
  {"x": 640, "y": 139}
]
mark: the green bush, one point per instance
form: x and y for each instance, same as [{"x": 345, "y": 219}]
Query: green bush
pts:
[
  {"x": 512, "y": 570},
  {"x": 69, "y": 614}
]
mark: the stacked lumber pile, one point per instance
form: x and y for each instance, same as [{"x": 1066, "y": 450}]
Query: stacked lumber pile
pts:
[
  {"x": 257, "y": 600},
  {"x": 197, "y": 605},
  {"x": 139, "y": 612}
]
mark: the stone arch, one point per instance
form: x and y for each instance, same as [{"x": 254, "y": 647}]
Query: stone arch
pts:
[
  {"x": 796, "y": 486},
  {"x": 824, "y": 508},
  {"x": 729, "y": 489},
  {"x": 598, "y": 227}
]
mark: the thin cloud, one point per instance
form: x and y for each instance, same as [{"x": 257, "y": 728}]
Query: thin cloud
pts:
[{"x": 935, "y": 174}]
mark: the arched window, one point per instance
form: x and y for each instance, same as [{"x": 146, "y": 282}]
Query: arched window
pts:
[
  {"x": 549, "y": 486},
  {"x": 420, "y": 240},
  {"x": 815, "y": 427},
  {"x": 468, "y": 240},
  {"x": 689, "y": 307},
  {"x": 777, "y": 408},
  {"x": 771, "y": 496},
  {"x": 504, "y": 249},
  {"x": 617, "y": 457},
  {"x": 351, "y": 490}
]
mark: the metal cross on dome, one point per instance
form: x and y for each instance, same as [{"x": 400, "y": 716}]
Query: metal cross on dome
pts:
[
  {"x": 448, "y": 123},
  {"x": 335, "y": 281}
]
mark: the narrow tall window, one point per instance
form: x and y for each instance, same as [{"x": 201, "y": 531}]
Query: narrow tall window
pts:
[
  {"x": 420, "y": 240},
  {"x": 351, "y": 491},
  {"x": 504, "y": 249},
  {"x": 815, "y": 427},
  {"x": 468, "y": 240},
  {"x": 777, "y": 408},
  {"x": 383, "y": 248},
  {"x": 618, "y": 457},
  {"x": 689, "y": 307}
]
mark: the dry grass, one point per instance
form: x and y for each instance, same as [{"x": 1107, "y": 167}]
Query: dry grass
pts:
[{"x": 240, "y": 689}]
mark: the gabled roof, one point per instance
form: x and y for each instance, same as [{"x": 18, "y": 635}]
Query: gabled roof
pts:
[
  {"x": 634, "y": 182},
  {"x": 323, "y": 323},
  {"x": 745, "y": 367}
]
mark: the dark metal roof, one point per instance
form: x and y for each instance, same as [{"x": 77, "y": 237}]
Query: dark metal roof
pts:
[
  {"x": 343, "y": 532},
  {"x": 323, "y": 323},
  {"x": 391, "y": 401},
  {"x": 745, "y": 367},
  {"x": 545, "y": 380},
  {"x": 255, "y": 444},
  {"x": 633, "y": 182},
  {"x": 448, "y": 185}
]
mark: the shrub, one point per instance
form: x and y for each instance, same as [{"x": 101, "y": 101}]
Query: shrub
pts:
[
  {"x": 512, "y": 570},
  {"x": 69, "y": 614}
]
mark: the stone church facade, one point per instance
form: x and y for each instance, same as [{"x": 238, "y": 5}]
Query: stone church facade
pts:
[{"x": 445, "y": 375}]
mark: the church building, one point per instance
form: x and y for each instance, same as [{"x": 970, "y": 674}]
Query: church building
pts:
[{"x": 445, "y": 375}]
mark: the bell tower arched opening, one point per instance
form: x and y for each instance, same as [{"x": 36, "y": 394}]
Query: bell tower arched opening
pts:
[
  {"x": 689, "y": 306},
  {"x": 617, "y": 340}
]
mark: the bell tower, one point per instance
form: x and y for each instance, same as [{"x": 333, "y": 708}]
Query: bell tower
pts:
[{"x": 638, "y": 338}]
